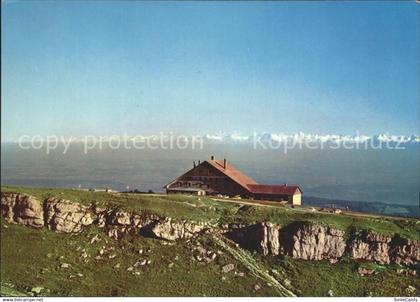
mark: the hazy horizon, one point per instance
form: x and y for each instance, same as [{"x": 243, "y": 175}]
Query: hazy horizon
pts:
[{"x": 389, "y": 176}]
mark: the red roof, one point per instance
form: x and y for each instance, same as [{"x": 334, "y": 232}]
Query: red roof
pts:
[
  {"x": 232, "y": 173},
  {"x": 247, "y": 182},
  {"x": 273, "y": 189}
]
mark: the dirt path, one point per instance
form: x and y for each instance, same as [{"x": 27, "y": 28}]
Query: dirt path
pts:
[{"x": 253, "y": 267}]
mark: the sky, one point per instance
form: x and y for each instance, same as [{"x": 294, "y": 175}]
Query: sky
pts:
[{"x": 104, "y": 68}]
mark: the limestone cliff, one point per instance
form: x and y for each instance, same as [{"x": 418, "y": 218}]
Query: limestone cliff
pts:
[
  {"x": 301, "y": 240},
  {"x": 64, "y": 216},
  {"x": 262, "y": 237},
  {"x": 312, "y": 242},
  {"x": 384, "y": 249},
  {"x": 170, "y": 230},
  {"x": 22, "y": 209}
]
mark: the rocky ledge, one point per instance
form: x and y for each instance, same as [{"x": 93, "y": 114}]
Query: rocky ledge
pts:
[
  {"x": 303, "y": 240},
  {"x": 300, "y": 240},
  {"x": 64, "y": 216}
]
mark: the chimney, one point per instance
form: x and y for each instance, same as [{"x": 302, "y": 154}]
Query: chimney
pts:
[
  {"x": 194, "y": 164},
  {"x": 199, "y": 162},
  {"x": 212, "y": 157},
  {"x": 224, "y": 163}
]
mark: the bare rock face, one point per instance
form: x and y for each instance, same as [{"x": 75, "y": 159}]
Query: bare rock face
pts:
[
  {"x": 298, "y": 240},
  {"x": 64, "y": 216},
  {"x": 28, "y": 210},
  {"x": 267, "y": 235},
  {"x": 270, "y": 244},
  {"x": 384, "y": 249},
  {"x": 312, "y": 242},
  {"x": 405, "y": 251},
  {"x": 120, "y": 218},
  {"x": 301, "y": 240},
  {"x": 22, "y": 209},
  {"x": 101, "y": 215},
  {"x": 119, "y": 223},
  {"x": 171, "y": 230},
  {"x": 8, "y": 201},
  {"x": 371, "y": 246},
  {"x": 144, "y": 221},
  {"x": 262, "y": 237}
]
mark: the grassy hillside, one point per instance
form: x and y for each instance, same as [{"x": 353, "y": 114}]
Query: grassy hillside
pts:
[
  {"x": 33, "y": 259},
  {"x": 217, "y": 212},
  {"x": 41, "y": 262}
]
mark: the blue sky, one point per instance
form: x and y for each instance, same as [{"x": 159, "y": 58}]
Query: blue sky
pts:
[{"x": 102, "y": 68}]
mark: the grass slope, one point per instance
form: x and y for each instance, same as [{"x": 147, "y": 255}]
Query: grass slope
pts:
[{"x": 33, "y": 258}]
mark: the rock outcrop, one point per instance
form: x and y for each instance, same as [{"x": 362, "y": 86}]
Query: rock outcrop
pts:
[
  {"x": 303, "y": 240},
  {"x": 312, "y": 242},
  {"x": 370, "y": 246},
  {"x": 300, "y": 240},
  {"x": 8, "y": 201},
  {"x": 405, "y": 251},
  {"x": 173, "y": 230},
  {"x": 100, "y": 214},
  {"x": 119, "y": 222},
  {"x": 270, "y": 244},
  {"x": 64, "y": 216},
  {"x": 262, "y": 237},
  {"x": 22, "y": 209},
  {"x": 127, "y": 219},
  {"x": 384, "y": 249},
  {"x": 28, "y": 211}
]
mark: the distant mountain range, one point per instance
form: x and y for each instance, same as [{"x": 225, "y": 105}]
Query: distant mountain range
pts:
[
  {"x": 264, "y": 137},
  {"x": 305, "y": 137}
]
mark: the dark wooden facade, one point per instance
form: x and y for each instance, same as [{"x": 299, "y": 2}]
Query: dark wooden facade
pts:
[
  {"x": 208, "y": 178},
  {"x": 216, "y": 177}
]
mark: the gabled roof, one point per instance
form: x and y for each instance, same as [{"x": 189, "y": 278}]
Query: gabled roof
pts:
[
  {"x": 233, "y": 173},
  {"x": 273, "y": 189},
  {"x": 174, "y": 180},
  {"x": 245, "y": 181}
]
